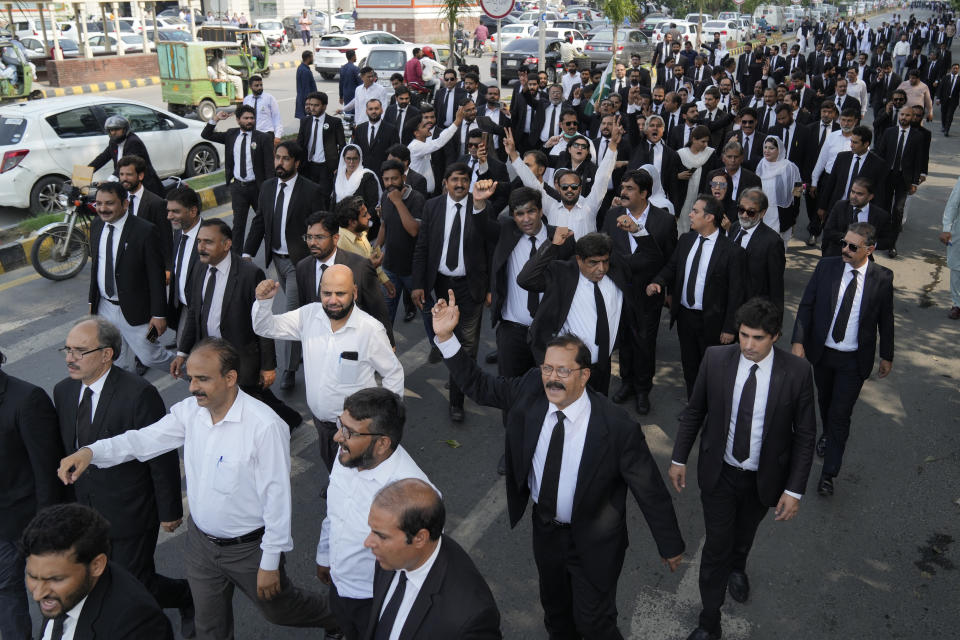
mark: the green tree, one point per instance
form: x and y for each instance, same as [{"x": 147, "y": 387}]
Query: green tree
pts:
[
  {"x": 617, "y": 11},
  {"x": 450, "y": 12}
]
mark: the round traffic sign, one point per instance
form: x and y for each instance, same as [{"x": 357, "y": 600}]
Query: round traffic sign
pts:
[
  {"x": 738, "y": 2},
  {"x": 497, "y": 9}
]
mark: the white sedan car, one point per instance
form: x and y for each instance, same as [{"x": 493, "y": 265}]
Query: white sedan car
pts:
[
  {"x": 687, "y": 31},
  {"x": 332, "y": 49},
  {"x": 728, "y": 30},
  {"x": 513, "y": 32},
  {"x": 42, "y": 140},
  {"x": 131, "y": 44}
]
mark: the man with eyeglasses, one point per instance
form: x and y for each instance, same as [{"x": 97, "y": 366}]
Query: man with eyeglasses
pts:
[
  {"x": 765, "y": 254},
  {"x": 569, "y": 124},
  {"x": 859, "y": 206},
  {"x": 370, "y": 457},
  {"x": 99, "y": 399},
  {"x": 749, "y": 138},
  {"x": 448, "y": 98},
  {"x": 343, "y": 347},
  {"x": 574, "y": 454},
  {"x": 578, "y": 157}
]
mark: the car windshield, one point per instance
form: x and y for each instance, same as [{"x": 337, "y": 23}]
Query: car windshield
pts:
[
  {"x": 715, "y": 25},
  {"x": 271, "y": 25},
  {"x": 11, "y": 130},
  {"x": 334, "y": 41},
  {"x": 386, "y": 60},
  {"x": 603, "y": 36}
]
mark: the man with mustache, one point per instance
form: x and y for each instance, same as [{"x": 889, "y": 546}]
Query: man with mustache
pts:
[
  {"x": 236, "y": 456},
  {"x": 343, "y": 347}
]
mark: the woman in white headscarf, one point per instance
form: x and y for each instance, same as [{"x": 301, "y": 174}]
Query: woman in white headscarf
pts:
[
  {"x": 659, "y": 197},
  {"x": 694, "y": 157},
  {"x": 780, "y": 180},
  {"x": 355, "y": 179}
]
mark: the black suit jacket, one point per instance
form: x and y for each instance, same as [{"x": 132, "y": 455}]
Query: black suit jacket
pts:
[
  {"x": 304, "y": 200},
  {"x": 30, "y": 452},
  {"x": 873, "y": 167},
  {"x": 723, "y": 291},
  {"x": 756, "y": 148},
  {"x": 417, "y": 182},
  {"x": 748, "y": 180},
  {"x": 789, "y": 423},
  {"x": 374, "y": 155},
  {"x": 949, "y": 92},
  {"x": 132, "y": 146},
  {"x": 816, "y": 310},
  {"x": 881, "y": 90},
  {"x": 912, "y": 159},
  {"x": 236, "y": 325},
  {"x": 392, "y": 116},
  {"x": 615, "y": 458},
  {"x": 440, "y": 99},
  {"x": 138, "y": 270},
  {"x": 670, "y": 166},
  {"x": 332, "y": 136},
  {"x": 841, "y": 216},
  {"x": 454, "y": 601},
  {"x": 153, "y": 208},
  {"x": 765, "y": 262},
  {"x": 645, "y": 261},
  {"x": 262, "y": 155},
  {"x": 134, "y": 496},
  {"x": 803, "y": 148},
  {"x": 173, "y": 294},
  {"x": 849, "y": 102}
]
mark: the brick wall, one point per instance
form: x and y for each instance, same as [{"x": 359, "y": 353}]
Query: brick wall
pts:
[
  {"x": 414, "y": 30},
  {"x": 76, "y": 71}
]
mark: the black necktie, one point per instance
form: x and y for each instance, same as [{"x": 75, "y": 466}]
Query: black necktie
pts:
[
  {"x": 694, "y": 270},
  {"x": 602, "y": 337},
  {"x": 709, "y": 116},
  {"x": 746, "y": 147},
  {"x": 243, "y": 157},
  {"x": 109, "y": 275},
  {"x": 843, "y": 315},
  {"x": 207, "y": 301},
  {"x": 84, "y": 434},
  {"x": 898, "y": 156},
  {"x": 823, "y": 136},
  {"x": 553, "y": 112},
  {"x": 855, "y": 173},
  {"x": 389, "y": 617},
  {"x": 739, "y": 237},
  {"x": 741, "y": 434},
  {"x": 453, "y": 243},
  {"x": 178, "y": 268},
  {"x": 533, "y": 298},
  {"x": 313, "y": 141},
  {"x": 131, "y": 208},
  {"x": 786, "y": 142},
  {"x": 57, "y": 633},
  {"x": 323, "y": 269},
  {"x": 278, "y": 216},
  {"x": 550, "y": 482},
  {"x": 856, "y": 214},
  {"x": 373, "y": 133}
]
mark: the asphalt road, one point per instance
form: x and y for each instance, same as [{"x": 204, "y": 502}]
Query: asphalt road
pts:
[{"x": 878, "y": 560}]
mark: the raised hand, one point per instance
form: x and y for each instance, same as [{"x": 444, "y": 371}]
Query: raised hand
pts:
[
  {"x": 267, "y": 289},
  {"x": 446, "y": 317}
]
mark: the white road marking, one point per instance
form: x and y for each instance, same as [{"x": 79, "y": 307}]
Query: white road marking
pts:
[
  {"x": 39, "y": 342},
  {"x": 487, "y": 509}
]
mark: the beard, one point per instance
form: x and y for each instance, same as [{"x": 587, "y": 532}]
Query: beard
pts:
[
  {"x": 341, "y": 314},
  {"x": 363, "y": 460}
]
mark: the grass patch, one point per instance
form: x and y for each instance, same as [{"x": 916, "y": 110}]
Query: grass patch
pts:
[
  {"x": 205, "y": 181},
  {"x": 38, "y": 221}
]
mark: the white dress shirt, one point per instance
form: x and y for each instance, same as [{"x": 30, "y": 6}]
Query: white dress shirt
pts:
[
  {"x": 328, "y": 377},
  {"x": 420, "y": 153},
  {"x": 137, "y": 199},
  {"x": 568, "y": 82},
  {"x": 349, "y": 497},
  {"x": 735, "y": 181},
  {"x": 248, "y": 140},
  {"x": 581, "y": 320},
  {"x": 864, "y": 215},
  {"x": 316, "y": 130},
  {"x": 102, "y": 257},
  {"x": 268, "y": 113},
  {"x": 849, "y": 342},
  {"x": 360, "y": 98},
  {"x": 642, "y": 227},
  {"x": 415, "y": 580},
  {"x": 69, "y": 623},
  {"x": 287, "y": 197},
  {"x": 834, "y": 143},
  {"x": 188, "y": 250},
  {"x": 576, "y": 419},
  {"x": 701, "y": 274},
  {"x": 237, "y": 470},
  {"x": 451, "y": 213},
  {"x": 219, "y": 286},
  {"x": 745, "y": 236},
  {"x": 550, "y": 114},
  {"x": 515, "y": 304}
]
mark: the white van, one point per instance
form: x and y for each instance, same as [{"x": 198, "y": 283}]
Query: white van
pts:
[{"x": 772, "y": 14}]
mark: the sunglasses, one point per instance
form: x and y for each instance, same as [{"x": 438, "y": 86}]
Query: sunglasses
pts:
[
  {"x": 579, "y": 145},
  {"x": 849, "y": 245},
  {"x": 718, "y": 185},
  {"x": 570, "y": 187},
  {"x": 742, "y": 210}
]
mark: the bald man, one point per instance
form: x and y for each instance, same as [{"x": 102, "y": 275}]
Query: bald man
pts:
[
  {"x": 424, "y": 584},
  {"x": 343, "y": 347}
]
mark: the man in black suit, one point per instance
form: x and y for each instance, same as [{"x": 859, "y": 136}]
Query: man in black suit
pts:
[
  {"x": 680, "y": 135},
  {"x": 823, "y": 84},
  {"x": 66, "y": 548},
  {"x": 645, "y": 236},
  {"x": 817, "y": 132},
  {"x": 131, "y": 171},
  {"x": 579, "y": 528},
  {"x": 849, "y": 165},
  {"x": 842, "y": 100},
  {"x": 100, "y": 400},
  {"x": 705, "y": 278},
  {"x": 713, "y": 117},
  {"x": 321, "y": 136},
  {"x": 749, "y": 138},
  {"x": 374, "y": 137},
  {"x": 484, "y": 166},
  {"x": 744, "y": 62},
  {"x": 248, "y": 160},
  {"x": 127, "y": 283},
  {"x": 650, "y": 148},
  {"x": 765, "y": 256},
  {"x": 401, "y": 113},
  {"x": 454, "y": 256},
  {"x": 29, "y": 443},
  {"x": 222, "y": 291},
  {"x": 500, "y": 119},
  {"x": 902, "y": 148},
  {"x": 764, "y": 395},
  {"x": 452, "y": 600},
  {"x": 448, "y": 98},
  {"x": 183, "y": 211},
  {"x": 841, "y": 351},
  {"x": 882, "y": 88},
  {"x": 124, "y": 142},
  {"x": 285, "y": 203},
  {"x": 525, "y": 112},
  {"x": 741, "y": 177},
  {"x": 859, "y": 206},
  {"x": 948, "y": 97}
]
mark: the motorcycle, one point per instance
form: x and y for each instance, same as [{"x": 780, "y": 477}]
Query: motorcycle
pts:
[
  {"x": 460, "y": 48},
  {"x": 62, "y": 248}
]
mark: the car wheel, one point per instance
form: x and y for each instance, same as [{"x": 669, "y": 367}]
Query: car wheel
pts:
[
  {"x": 326, "y": 75},
  {"x": 206, "y": 110},
  {"x": 201, "y": 160},
  {"x": 48, "y": 195}
]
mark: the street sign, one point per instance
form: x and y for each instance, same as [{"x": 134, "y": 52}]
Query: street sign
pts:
[
  {"x": 795, "y": 1},
  {"x": 738, "y": 2},
  {"x": 497, "y": 9}
]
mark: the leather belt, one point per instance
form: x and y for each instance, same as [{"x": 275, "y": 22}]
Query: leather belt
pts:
[
  {"x": 113, "y": 302},
  {"x": 229, "y": 542}
]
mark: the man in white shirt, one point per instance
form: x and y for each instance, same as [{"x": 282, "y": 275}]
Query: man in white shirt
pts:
[
  {"x": 237, "y": 468},
  {"x": 183, "y": 211},
  {"x": 423, "y": 146},
  {"x": 343, "y": 347},
  {"x": 370, "y": 458},
  {"x": 266, "y": 107},
  {"x": 570, "y": 79},
  {"x": 369, "y": 90},
  {"x": 835, "y": 142}
]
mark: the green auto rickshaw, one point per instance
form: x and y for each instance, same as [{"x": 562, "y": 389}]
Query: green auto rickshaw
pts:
[
  {"x": 16, "y": 73},
  {"x": 250, "y": 41}
]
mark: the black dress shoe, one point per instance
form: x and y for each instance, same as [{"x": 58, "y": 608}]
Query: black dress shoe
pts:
[
  {"x": 140, "y": 367},
  {"x": 435, "y": 355},
  {"x": 456, "y": 414},
  {"x": 187, "y": 627},
  {"x": 892, "y": 252},
  {"x": 643, "y": 403},
  {"x": 739, "y": 586},
  {"x": 702, "y": 634},
  {"x": 825, "y": 487},
  {"x": 502, "y": 465},
  {"x": 491, "y": 358},
  {"x": 822, "y": 446},
  {"x": 623, "y": 393},
  {"x": 407, "y": 317},
  {"x": 288, "y": 379}
]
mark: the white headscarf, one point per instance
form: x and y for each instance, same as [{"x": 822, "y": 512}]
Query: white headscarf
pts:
[
  {"x": 659, "y": 197},
  {"x": 694, "y": 162},
  {"x": 778, "y": 177},
  {"x": 345, "y": 186}
]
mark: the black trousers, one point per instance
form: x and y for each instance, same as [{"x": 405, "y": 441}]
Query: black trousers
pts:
[
  {"x": 600, "y": 377},
  {"x": 288, "y": 414},
  {"x": 897, "y": 191},
  {"x": 693, "y": 344},
  {"x": 573, "y": 607},
  {"x": 243, "y": 197},
  {"x": 328, "y": 448},
  {"x": 135, "y": 554},
  {"x": 814, "y": 223},
  {"x": 638, "y": 349},
  {"x": 353, "y": 614},
  {"x": 732, "y": 511},
  {"x": 323, "y": 176},
  {"x": 838, "y": 387},
  {"x": 947, "y": 110},
  {"x": 514, "y": 357},
  {"x": 468, "y": 331}
]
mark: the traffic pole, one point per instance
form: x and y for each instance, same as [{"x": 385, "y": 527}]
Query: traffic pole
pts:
[{"x": 499, "y": 51}]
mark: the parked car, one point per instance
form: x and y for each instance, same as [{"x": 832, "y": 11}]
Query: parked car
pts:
[
  {"x": 337, "y": 22},
  {"x": 37, "y": 52},
  {"x": 579, "y": 25},
  {"x": 728, "y": 15},
  {"x": 649, "y": 25},
  {"x": 167, "y": 22},
  {"x": 523, "y": 53},
  {"x": 174, "y": 12},
  {"x": 271, "y": 28},
  {"x": 31, "y": 28},
  {"x": 629, "y": 42},
  {"x": 534, "y": 16},
  {"x": 728, "y": 29},
  {"x": 687, "y": 30},
  {"x": 695, "y": 17},
  {"x": 41, "y": 140},
  {"x": 169, "y": 35},
  {"x": 135, "y": 25},
  {"x": 746, "y": 27},
  {"x": 131, "y": 43},
  {"x": 332, "y": 47},
  {"x": 513, "y": 32}
]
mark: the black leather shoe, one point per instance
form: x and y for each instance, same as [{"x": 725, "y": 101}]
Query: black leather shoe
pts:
[
  {"x": 623, "y": 393},
  {"x": 491, "y": 358},
  {"x": 739, "y": 586},
  {"x": 822, "y": 446},
  {"x": 892, "y": 252},
  {"x": 825, "y": 487},
  {"x": 435, "y": 355},
  {"x": 187, "y": 627},
  {"x": 812, "y": 241},
  {"x": 140, "y": 367},
  {"x": 502, "y": 465},
  {"x": 288, "y": 380},
  {"x": 702, "y": 634},
  {"x": 456, "y": 414},
  {"x": 333, "y": 635},
  {"x": 643, "y": 403},
  {"x": 407, "y": 317}
]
